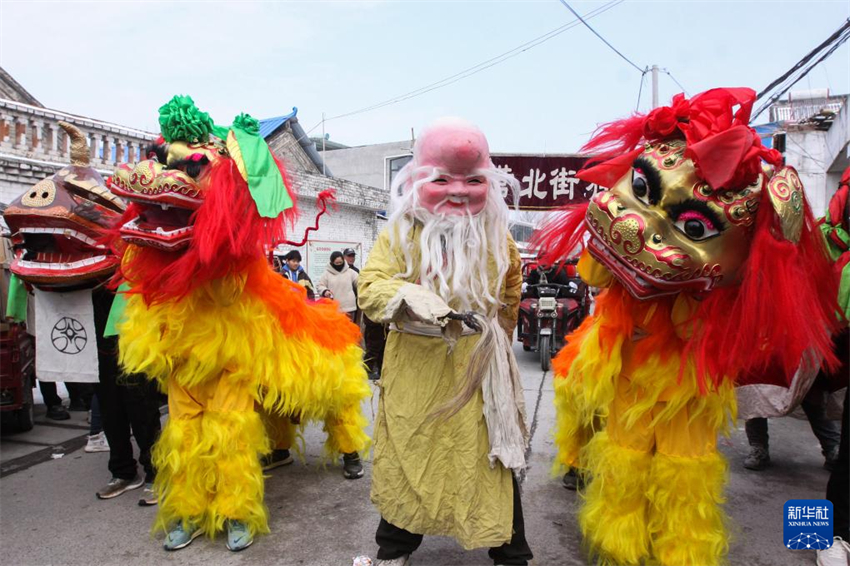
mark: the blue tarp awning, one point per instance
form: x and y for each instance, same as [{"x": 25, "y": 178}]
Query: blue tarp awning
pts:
[{"x": 269, "y": 125}]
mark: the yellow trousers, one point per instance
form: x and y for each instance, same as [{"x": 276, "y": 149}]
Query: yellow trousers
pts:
[
  {"x": 280, "y": 430},
  {"x": 208, "y": 457},
  {"x": 657, "y": 485}
]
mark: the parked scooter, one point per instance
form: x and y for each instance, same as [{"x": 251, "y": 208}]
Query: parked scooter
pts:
[{"x": 549, "y": 312}]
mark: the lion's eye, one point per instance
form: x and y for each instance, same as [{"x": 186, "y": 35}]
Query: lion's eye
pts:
[
  {"x": 640, "y": 188},
  {"x": 696, "y": 226}
]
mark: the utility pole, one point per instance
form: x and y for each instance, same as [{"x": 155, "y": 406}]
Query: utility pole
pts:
[
  {"x": 323, "y": 144},
  {"x": 655, "y": 86}
]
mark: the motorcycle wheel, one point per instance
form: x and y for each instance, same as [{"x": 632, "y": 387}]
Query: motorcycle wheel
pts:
[{"x": 545, "y": 354}]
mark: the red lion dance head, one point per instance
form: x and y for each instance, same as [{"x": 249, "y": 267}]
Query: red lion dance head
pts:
[
  {"x": 201, "y": 208},
  {"x": 697, "y": 205}
]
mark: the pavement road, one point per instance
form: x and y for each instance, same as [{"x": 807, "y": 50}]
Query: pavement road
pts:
[{"x": 49, "y": 514}]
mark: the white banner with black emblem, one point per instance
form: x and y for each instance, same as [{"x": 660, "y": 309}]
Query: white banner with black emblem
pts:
[{"x": 65, "y": 337}]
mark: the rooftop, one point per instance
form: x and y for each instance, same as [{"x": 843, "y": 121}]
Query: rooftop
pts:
[{"x": 817, "y": 111}]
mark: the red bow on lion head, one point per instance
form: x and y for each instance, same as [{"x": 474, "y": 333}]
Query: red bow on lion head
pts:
[{"x": 726, "y": 151}]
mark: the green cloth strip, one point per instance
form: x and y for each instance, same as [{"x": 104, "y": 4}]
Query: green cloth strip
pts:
[
  {"x": 116, "y": 313},
  {"x": 835, "y": 253},
  {"x": 844, "y": 292},
  {"x": 264, "y": 179},
  {"x": 16, "y": 302}
]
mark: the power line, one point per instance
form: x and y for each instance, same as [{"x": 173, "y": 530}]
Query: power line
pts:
[
  {"x": 302, "y": 136},
  {"x": 677, "y": 82},
  {"x": 468, "y": 72},
  {"x": 640, "y": 90},
  {"x": 618, "y": 52},
  {"x": 805, "y": 59},
  {"x": 803, "y": 149},
  {"x": 803, "y": 68},
  {"x": 605, "y": 41}
]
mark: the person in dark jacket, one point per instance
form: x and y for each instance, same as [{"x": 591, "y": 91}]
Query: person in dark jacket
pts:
[
  {"x": 350, "y": 256},
  {"x": 555, "y": 274},
  {"x": 293, "y": 270}
]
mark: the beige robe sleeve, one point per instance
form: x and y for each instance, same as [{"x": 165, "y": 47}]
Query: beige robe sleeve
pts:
[
  {"x": 376, "y": 285},
  {"x": 512, "y": 290}
]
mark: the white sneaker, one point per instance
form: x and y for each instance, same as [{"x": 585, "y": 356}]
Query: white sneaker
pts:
[
  {"x": 835, "y": 555},
  {"x": 400, "y": 561},
  {"x": 97, "y": 443}
]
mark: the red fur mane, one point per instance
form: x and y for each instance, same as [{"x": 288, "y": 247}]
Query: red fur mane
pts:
[{"x": 784, "y": 308}]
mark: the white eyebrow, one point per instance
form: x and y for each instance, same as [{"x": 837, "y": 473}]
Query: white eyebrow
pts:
[{"x": 475, "y": 173}]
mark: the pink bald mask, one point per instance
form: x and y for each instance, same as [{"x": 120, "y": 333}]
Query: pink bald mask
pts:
[{"x": 459, "y": 153}]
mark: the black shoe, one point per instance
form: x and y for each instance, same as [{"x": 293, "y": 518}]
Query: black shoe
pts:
[
  {"x": 77, "y": 405},
  {"x": 831, "y": 460},
  {"x": 276, "y": 459},
  {"x": 351, "y": 466},
  {"x": 758, "y": 458},
  {"x": 57, "y": 413},
  {"x": 573, "y": 480}
]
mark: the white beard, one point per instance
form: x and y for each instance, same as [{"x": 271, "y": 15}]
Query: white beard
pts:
[
  {"x": 454, "y": 254},
  {"x": 454, "y": 249}
]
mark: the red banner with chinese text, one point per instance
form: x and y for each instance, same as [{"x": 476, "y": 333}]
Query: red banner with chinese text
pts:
[{"x": 547, "y": 182}]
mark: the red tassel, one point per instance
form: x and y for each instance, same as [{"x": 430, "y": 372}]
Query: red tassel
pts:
[{"x": 324, "y": 197}]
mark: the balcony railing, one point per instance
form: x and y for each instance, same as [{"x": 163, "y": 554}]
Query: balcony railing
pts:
[
  {"x": 32, "y": 132},
  {"x": 800, "y": 111}
]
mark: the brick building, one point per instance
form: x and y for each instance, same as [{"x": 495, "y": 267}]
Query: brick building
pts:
[{"x": 358, "y": 220}]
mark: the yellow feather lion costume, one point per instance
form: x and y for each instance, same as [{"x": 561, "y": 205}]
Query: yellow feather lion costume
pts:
[
  {"x": 220, "y": 331},
  {"x": 713, "y": 274}
]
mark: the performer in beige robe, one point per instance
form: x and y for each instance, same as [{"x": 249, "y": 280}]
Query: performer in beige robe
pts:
[{"x": 445, "y": 254}]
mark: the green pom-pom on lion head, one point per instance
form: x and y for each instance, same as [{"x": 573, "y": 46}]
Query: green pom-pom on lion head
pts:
[
  {"x": 247, "y": 123},
  {"x": 180, "y": 120}
]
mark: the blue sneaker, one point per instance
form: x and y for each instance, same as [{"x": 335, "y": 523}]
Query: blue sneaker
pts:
[
  {"x": 178, "y": 537},
  {"x": 239, "y": 537}
]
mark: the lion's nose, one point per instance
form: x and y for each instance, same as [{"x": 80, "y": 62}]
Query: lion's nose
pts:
[{"x": 41, "y": 195}]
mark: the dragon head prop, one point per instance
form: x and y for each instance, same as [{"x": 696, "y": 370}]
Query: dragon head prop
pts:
[
  {"x": 204, "y": 202},
  {"x": 57, "y": 225},
  {"x": 698, "y": 207}
]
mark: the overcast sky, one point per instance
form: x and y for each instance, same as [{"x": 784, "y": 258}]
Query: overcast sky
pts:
[{"x": 119, "y": 61}]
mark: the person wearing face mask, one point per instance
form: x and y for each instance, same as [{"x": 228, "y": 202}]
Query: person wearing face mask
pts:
[
  {"x": 339, "y": 282},
  {"x": 445, "y": 275}
]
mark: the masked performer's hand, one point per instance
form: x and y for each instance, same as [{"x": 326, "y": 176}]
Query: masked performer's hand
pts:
[{"x": 468, "y": 318}]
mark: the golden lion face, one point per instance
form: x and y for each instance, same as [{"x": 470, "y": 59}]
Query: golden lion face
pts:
[
  {"x": 167, "y": 188},
  {"x": 662, "y": 230}
]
